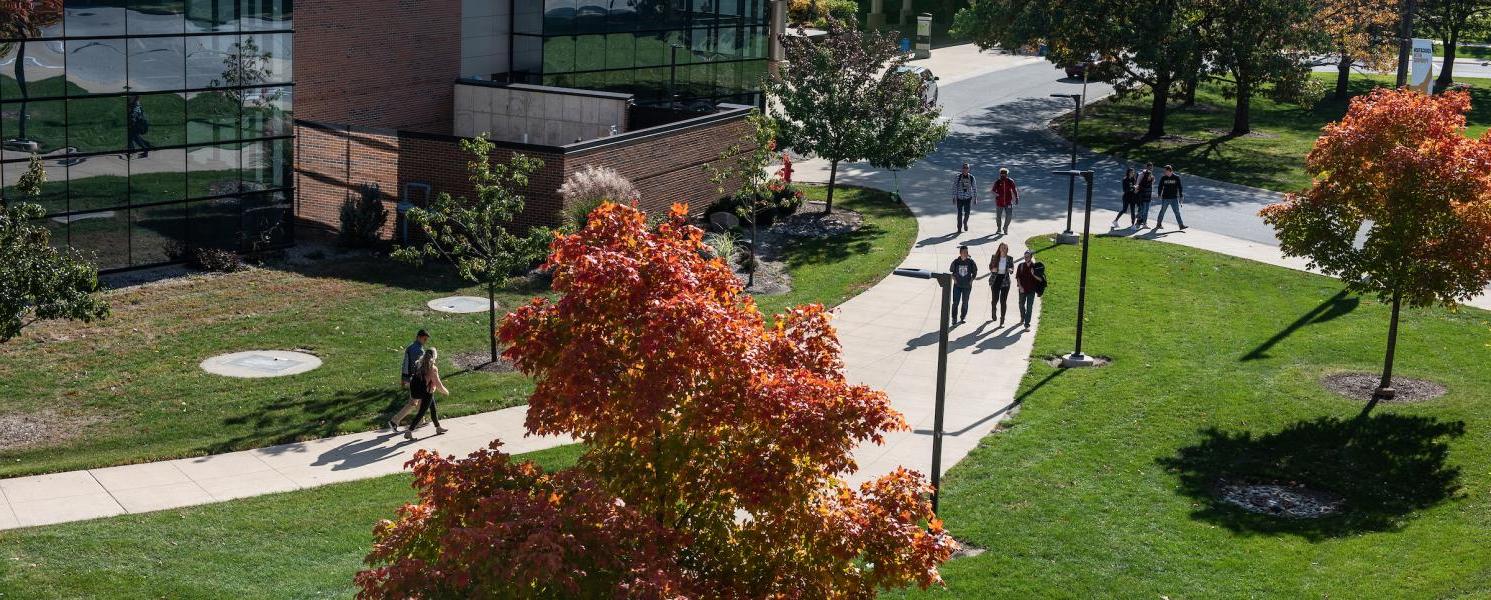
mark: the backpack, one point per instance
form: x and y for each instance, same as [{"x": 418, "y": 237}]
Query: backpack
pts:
[{"x": 1039, "y": 270}]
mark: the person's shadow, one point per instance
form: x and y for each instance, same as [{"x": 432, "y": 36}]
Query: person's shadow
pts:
[{"x": 361, "y": 453}]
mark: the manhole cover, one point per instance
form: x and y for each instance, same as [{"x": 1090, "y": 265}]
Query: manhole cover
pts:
[
  {"x": 459, "y": 304},
  {"x": 261, "y": 363}
]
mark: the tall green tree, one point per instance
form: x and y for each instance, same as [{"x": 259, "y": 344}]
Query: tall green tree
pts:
[
  {"x": 39, "y": 281},
  {"x": 832, "y": 98},
  {"x": 1259, "y": 42},
  {"x": 473, "y": 235},
  {"x": 1451, "y": 21},
  {"x": 909, "y": 127},
  {"x": 1151, "y": 44}
]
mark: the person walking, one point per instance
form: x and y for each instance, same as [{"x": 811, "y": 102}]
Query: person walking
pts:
[
  {"x": 137, "y": 126},
  {"x": 1144, "y": 193},
  {"x": 1030, "y": 275},
  {"x": 965, "y": 195},
  {"x": 410, "y": 363},
  {"x": 1171, "y": 195},
  {"x": 1006, "y": 197},
  {"x": 1130, "y": 194},
  {"x": 964, "y": 271},
  {"x": 423, "y": 385},
  {"x": 1001, "y": 271}
]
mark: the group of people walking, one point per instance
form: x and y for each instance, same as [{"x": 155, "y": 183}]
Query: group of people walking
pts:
[
  {"x": 1028, "y": 276},
  {"x": 1138, "y": 193},
  {"x": 421, "y": 376},
  {"x": 1139, "y": 189}
]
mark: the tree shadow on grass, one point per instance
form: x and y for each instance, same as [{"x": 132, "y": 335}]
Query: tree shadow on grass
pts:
[
  {"x": 827, "y": 250},
  {"x": 297, "y": 419},
  {"x": 1383, "y": 466},
  {"x": 1335, "y": 306}
]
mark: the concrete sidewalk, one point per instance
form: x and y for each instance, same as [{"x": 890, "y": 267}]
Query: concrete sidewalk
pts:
[{"x": 94, "y": 493}]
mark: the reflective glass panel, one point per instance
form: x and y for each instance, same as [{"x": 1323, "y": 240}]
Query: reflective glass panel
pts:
[
  {"x": 211, "y": 61},
  {"x": 266, "y": 112},
  {"x": 211, "y": 15},
  {"x": 214, "y": 223},
  {"x": 103, "y": 235},
  {"x": 213, "y": 170},
  {"x": 157, "y": 234},
  {"x": 266, "y": 165},
  {"x": 148, "y": 17},
  {"x": 41, "y": 74},
  {"x": 260, "y": 15},
  {"x": 96, "y": 124},
  {"x": 263, "y": 59},
  {"x": 559, "y": 17},
  {"x": 155, "y": 64},
  {"x": 157, "y": 177},
  {"x": 211, "y": 117},
  {"x": 98, "y": 182},
  {"x": 34, "y": 126},
  {"x": 95, "y": 67},
  {"x": 266, "y": 220},
  {"x": 95, "y": 17},
  {"x": 590, "y": 52}
]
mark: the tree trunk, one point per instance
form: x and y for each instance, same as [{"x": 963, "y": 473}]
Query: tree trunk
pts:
[
  {"x": 1188, "y": 91},
  {"x": 833, "y": 173},
  {"x": 21, "y": 81},
  {"x": 1157, "y": 107},
  {"x": 1240, "y": 122},
  {"x": 1447, "y": 69},
  {"x": 1385, "y": 387},
  {"x": 751, "y": 268},
  {"x": 492, "y": 317},
  {"x": 1343, "y": 76}
]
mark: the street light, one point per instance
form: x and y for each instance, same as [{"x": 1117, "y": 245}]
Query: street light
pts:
[
  {"x": 1077, "y": 358},
  {"x": 1067, "y": 237},
  {"x": 945, "y": 280}
]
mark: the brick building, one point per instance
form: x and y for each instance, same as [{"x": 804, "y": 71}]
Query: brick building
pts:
[{"x": 245, "y": 124}]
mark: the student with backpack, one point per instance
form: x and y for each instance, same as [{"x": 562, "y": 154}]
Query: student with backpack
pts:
[
  {"x": 1030, "y": 275},
  {"x": 407, "y": 368},
  {"x": 964, "y": 271},
  {"x": 1006, "y": 197}
]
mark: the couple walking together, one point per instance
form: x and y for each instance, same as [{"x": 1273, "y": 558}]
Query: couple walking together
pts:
[
  {"x": 421, "y": 376},
  {"x": 1006, "y": 198},
  {"x": 1028, "y": 275},
  {"x": 1138, "y": 193}
]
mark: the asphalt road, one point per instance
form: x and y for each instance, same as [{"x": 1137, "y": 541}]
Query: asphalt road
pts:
[{"x": 1000, "y": 120}]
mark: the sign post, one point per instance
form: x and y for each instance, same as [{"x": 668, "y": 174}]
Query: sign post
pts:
[
  {"x": 1422, "y": 75},
  {"x": 923, "y": 36}
]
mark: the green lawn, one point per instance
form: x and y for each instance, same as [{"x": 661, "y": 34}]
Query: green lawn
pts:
[
  {"x": 128, "y": 389},
  {"x": 304, "y": 544},
  {"x": 1463, "y": 51},
  {"x": 1199, "y": 143},
  {"x": 1099, "y": 487},
  {"x": 832, "y": 270}
]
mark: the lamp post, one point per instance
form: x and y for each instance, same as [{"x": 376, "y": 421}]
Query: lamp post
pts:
[
  {"x": 944, "y": 280},
  {"x": 1067, "y": 237},
  {"x": 1077, "y": 358}
]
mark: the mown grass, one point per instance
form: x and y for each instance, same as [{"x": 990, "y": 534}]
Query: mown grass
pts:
[
  {"x": 1101, "y": 486},
  {"x": 1198, "y": 139},
  {"x": 304, "y": 544}
]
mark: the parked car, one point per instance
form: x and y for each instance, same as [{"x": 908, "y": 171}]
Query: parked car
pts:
[
  {"x": 929, "y": 81},
  {"x": 1094, "y": 70}
]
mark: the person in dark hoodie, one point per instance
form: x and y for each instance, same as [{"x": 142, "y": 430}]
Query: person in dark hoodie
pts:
[{"x": 964, "y": 271}]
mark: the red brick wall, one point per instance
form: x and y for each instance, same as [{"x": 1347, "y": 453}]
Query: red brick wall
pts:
[
  {"x": 669, "y": 168},
  {"x": 334, "y": 162},
  {"x": 378, "y": 63}
]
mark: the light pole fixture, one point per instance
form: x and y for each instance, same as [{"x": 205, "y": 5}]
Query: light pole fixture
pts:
[
  {"x": 1080, "y": 100},
  {"x": 1077, "y": 358},
  {"x": 945, "y": 281}
]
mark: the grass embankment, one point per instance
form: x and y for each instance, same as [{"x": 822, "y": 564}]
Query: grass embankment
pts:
[
  {"x": 1101, "y": 486},
  {"x": 1198, "y": 139},
  {"x": 305, "y": 544}
]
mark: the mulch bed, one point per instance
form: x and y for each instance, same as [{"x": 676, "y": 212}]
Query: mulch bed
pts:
[
  {"x": 1283, "y": 500},
  {"x": 1360, "y": 386},
  {"x": 481, "y": 361},
  {"x": 40, "y": 428},
  {"x": 1097, "y": 361},
  {"x": 810, "y": 222}
]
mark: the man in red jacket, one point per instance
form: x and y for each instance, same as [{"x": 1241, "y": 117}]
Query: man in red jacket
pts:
[{"x": 1006, "y": 196}]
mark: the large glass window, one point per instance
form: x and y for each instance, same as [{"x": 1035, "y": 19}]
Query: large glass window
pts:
[
  {"x": 686, "y": 51},
  {"x": 160, "y": 123}
]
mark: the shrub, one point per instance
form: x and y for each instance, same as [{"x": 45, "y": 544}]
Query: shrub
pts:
[
  {"x": 362, "y": 218},
  {"x": 724, "y": 245},
  {"x": 216, "y": 260},
  {"x": 817, "y": 12},
  {"x": 586, "y": 189}
]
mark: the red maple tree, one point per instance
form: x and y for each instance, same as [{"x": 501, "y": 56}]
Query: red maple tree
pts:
[
  {"x": 715, "y": 443},
  {"x": 1398, "y": 162}
]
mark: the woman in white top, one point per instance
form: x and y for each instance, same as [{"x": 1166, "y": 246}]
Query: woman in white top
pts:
[
  {"x": 422, "y": 386},
  {"x": 1001, "y": 273}
]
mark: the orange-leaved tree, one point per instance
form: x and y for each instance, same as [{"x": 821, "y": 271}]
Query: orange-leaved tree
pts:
[
  {"x": 1398, "y": 162},
  {"x": 715, "y": 447}
]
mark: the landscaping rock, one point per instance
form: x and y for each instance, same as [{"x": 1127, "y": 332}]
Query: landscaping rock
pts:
[{"x": 1361, "y": 386}]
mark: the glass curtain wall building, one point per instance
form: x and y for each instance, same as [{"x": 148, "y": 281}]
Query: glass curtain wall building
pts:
[
  {"x": 696, "y": 51},
  {"x": 163, "y": 125}
]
